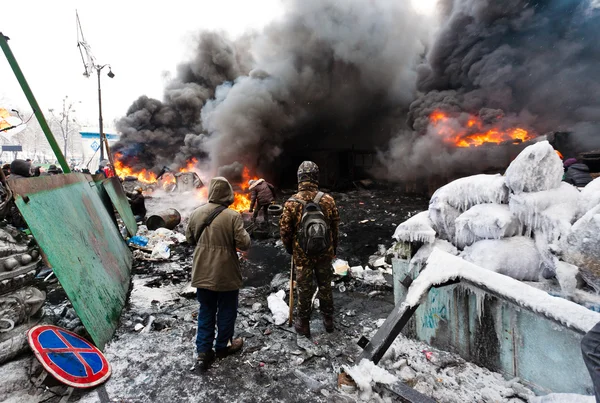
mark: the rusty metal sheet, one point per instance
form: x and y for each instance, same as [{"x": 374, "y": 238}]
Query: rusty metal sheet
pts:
[
  {"x": 84, "y": 247},
  {"x": 117, "y": 195}
]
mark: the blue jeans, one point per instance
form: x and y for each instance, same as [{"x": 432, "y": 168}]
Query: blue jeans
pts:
[{"x": 220, "y": 308}]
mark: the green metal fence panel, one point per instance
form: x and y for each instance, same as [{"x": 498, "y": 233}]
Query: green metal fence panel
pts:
[
  {"x": 117, "y": 195},
  {"x": 83, "y": 245}
]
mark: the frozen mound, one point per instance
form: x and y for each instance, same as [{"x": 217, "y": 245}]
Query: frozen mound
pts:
[
  {"x": 443, "y": 217},
  {"x": 485, "y": 221},
  {"x": 535, "y": 169},
  {"x": 516, "y": 257},
  {"x": 580, "y": 247},
  {"x": 550, "y": 212},
  {"x": 419, "y": 259},
  {"x": 590, "y": 197},
  {"x": 464, "y": 193},
  {"x": 418, "y": 228}
]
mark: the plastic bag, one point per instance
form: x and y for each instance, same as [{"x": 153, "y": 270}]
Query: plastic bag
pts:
[
  {"x": 139, "y": 240},
  {"x": 161, "y": 251}
]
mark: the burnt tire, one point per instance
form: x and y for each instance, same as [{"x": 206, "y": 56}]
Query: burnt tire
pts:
[{"x": 275, "y": 209}]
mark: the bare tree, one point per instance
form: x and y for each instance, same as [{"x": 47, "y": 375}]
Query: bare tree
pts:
[{"x": 65, "y": 121}]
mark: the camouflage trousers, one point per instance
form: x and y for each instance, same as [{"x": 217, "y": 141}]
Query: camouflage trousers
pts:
[{"x": 323, "y": 272}]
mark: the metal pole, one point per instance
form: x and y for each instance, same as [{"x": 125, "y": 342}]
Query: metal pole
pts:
[
  {"x": 98, "y": 68},
  {"x": 32, "y": 101}
]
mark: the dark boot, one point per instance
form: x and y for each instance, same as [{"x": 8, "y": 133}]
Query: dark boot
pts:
[
  {"x": 205, "y": 360},
  {"x": 302, "y": 326},
  {"x": 236, "y": 345},
  {"x": 328, "y": 323}
]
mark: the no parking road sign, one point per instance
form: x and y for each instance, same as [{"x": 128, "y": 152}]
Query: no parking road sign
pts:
[{"x": 69, "y": 358}]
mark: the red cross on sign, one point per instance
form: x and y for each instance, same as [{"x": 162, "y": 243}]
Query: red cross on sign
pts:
[{"x": 68, "y": 357}]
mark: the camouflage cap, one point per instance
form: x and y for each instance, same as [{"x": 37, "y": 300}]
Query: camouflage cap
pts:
[{"x": 308, "y": 171}]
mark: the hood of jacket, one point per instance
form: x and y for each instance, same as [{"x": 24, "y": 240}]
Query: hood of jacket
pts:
[
  {"x": 220, "y": 191},
  {"x": 21, "y": 167},
  {"x": 579, "y": 166}
]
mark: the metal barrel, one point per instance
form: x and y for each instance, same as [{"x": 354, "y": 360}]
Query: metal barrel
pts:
[{"x": 169, "y": 219}]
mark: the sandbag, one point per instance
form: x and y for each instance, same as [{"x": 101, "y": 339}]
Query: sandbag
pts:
[
  {"x": 418, "y": 228},
  {"x": 485, "y": 221},
  {"x": 516, "y": 257},
  {"x": 536, "y": 168},
  {"x": 550, "y": 212},
  {"x": 590, "y": 197},
  {"x": 580, "y": 247},
  {"x": 464, "y": 193},
  {"x": 443, "y": 217}
]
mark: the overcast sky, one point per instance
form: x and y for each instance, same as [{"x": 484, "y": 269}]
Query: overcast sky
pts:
[{"x": 142, "y": 41}]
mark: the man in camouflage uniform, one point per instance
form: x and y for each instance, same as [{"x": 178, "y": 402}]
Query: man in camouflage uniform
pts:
[{"x": 320, "y": 266}]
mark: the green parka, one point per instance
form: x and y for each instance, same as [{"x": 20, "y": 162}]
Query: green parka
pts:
[{"x": 216, "y": 264}]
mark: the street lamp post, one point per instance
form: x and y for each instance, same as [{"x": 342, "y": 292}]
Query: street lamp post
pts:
[{"x": 103, "y": 140}]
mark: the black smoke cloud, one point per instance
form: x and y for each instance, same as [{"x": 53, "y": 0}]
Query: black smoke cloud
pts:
[
  {"x": 320, "y": 74},
  {"x": 332, "y": 72},
  {"x": 533, "y": 62}
]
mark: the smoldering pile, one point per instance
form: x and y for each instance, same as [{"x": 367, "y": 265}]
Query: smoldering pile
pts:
[
  {"x": 527, "y": 224},
  {"x": 335, "y": 74}
]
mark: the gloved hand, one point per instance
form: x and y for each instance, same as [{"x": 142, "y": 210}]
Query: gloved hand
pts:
[{"x": 251, "y": 210}]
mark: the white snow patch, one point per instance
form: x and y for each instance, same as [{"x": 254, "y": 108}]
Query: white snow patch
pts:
[
  {"x": 366, "y": 373},
  {"x": 278, "y": 307},
  {"x": 535, "y": 169},
  {"x": 516, "y": 257},
  {"x": 485, "y": 221},
  {"x": 418, "y": 228},
  {"x": 443, "y": 267},
  {"x": 142, "y": 296}
]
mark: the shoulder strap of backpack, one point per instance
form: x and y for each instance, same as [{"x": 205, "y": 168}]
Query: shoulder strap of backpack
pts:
[
  {"x": 213, "y": 214},
  {"x": 318, "y": 198},
  {"x": 297, "y": 200}
]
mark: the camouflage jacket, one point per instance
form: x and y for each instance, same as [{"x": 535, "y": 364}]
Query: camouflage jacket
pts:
[{"x": 290, "y": 221}]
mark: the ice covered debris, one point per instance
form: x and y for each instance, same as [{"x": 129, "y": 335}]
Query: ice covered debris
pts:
[
  {"x": 535, "y": 169},
  {"x": 516, "y": 257},
  {"x": 451, "y": 200},
  {"x": 278, "y": 307},
  {"x": 418, "y": 228},
  {"x": 580, "y": 247},
  {"x": 419, "y": 259},
  {"x": 366, "y": 373},
  {"x": 550, "y": 211},
  {"x": 485, "y": 221},
  {"x": 464, "y": 193},
  {"x": 590, "y": 197}
]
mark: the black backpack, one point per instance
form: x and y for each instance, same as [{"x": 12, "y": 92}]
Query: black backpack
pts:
[{"x": 313, "y": 234}]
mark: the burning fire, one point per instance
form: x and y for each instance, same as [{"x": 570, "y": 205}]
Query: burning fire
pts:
[
  {"x": 475, "y": 134},
  {"x": 241, "y": 201},
  {"x": 123, "y": 171}
]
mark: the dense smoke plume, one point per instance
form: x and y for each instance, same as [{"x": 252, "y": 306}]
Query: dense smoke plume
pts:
[
  {"x": 323, "y": 72},
  {"x": 531, "y": 63},
  {"x": 338, "y": 72}
]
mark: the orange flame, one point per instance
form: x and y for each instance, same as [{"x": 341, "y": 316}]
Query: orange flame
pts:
[
  {"x": 123, "y": 171},
  {"x": 241, "y": 201},
  {"x": 475, "y": 134}
]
